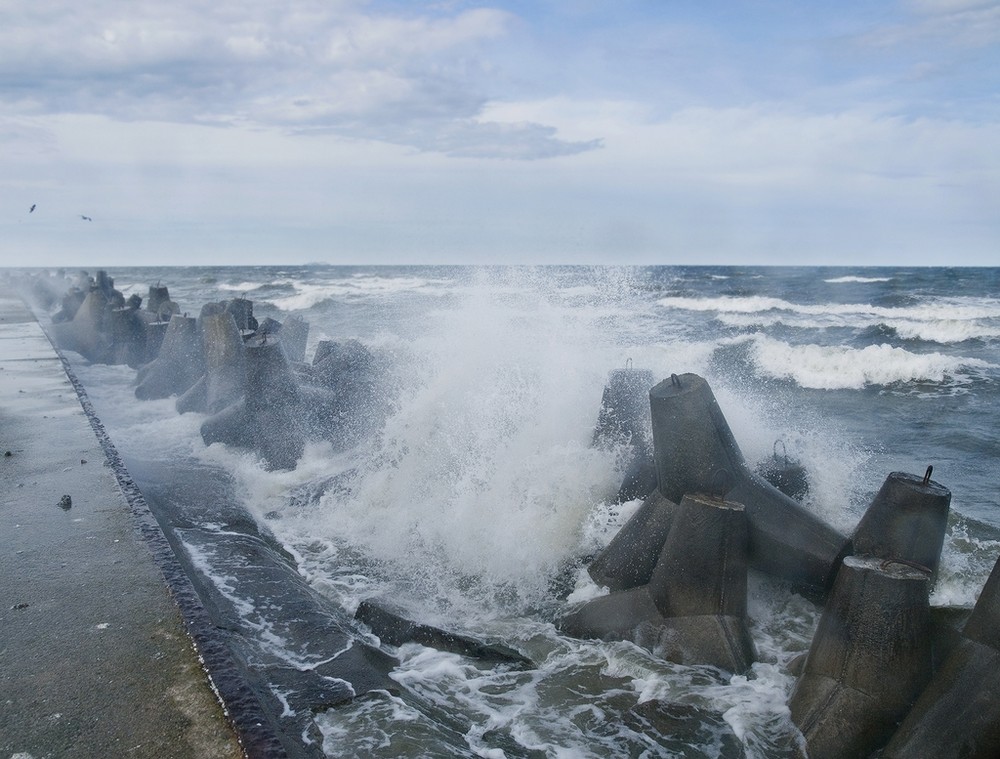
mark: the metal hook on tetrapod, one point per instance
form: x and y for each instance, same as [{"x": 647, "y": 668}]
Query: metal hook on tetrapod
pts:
[{"x": 784, "y": 451}]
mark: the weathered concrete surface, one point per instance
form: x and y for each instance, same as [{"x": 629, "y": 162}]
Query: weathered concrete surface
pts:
[{"x": 94, "y": 659}]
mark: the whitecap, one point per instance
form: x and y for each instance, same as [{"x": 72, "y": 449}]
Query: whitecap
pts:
[
  {"x": 838, "y": 367},
  {"x": 309, "y": 293},
  {"x": 945, "y": 321},
  {"x": 241, "y": 287},
  {"x": 855, "y": 279},
  {"x": 946, "y": 331}
]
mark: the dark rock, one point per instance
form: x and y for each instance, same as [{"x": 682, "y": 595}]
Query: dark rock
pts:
[{"x": 394, "y": 629}]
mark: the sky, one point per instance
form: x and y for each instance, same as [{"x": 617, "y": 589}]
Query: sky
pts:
[{"x": 771, "y": 132}]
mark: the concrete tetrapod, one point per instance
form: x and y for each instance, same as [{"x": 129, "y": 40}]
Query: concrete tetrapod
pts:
[
  {"x": 629, "y": 559},
  {"x": 693, "y": 445},
  {"x": 624, "y": 419},
  {"x": 693, "y": 609},
  {"x": 128, "y": 337},
  {"x": 242, "y": 311},
  {"x": 958, "y": 714},
  {"x": 869, "y": 659},
  {"x": 225, "y": 363},
  {"x": 70, "y": 303},
  {"x": 178, "y": 365},
  {"x": 984, "y": 624},
  {"x": 266, "y": 418},
  {"x": 155, "y": 332},
  {"x": 344, "y": 398},
  {"x": 906, "y": 520},
  {"x": 86, "y": 333},
  {"x": 294, "y": 334},
  {"x": 787, "y": 475},
  {"x": 104, "y": 283},
  {"x": 158, "y": 296}
]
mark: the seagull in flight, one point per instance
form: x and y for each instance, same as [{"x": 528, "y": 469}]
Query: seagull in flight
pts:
[
  {"x": 85, "y": 218},
  {"x": 32, "y": 208}
]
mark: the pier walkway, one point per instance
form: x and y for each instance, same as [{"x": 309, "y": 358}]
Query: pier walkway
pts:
[{"x": 94, "y": 658}]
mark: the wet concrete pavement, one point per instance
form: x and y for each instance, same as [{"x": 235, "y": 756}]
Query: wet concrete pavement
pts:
[{"x": 94, "y": 659}]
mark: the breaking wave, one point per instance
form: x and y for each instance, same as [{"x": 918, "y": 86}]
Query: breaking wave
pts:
[
  {"x": 825, "y": 367},
  {"x": 942, "y": 321},
  {"x": 856, "y": 280}
]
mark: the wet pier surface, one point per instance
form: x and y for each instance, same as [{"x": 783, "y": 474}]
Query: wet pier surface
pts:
[{"x": 94, "y": 658}]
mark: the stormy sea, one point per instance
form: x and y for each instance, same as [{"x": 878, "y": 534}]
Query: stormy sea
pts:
[{"x": 474, "y": 498}]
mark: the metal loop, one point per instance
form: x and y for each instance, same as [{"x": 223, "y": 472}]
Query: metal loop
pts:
[
  {"x": 675, "y": 380},
  {"x": 784, "y": 451},
  {"x": 927, "y": 476}
]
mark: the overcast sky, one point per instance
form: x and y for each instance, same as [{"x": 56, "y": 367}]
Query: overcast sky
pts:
[{"x": 538, "y": 131}]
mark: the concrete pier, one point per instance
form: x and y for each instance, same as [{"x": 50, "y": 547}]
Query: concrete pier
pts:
[{"x": 94, "y": 658}]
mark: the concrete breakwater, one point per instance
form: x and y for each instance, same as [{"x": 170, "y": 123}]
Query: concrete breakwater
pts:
[
  {"x": 884, "y": 672},
  {"x": 249, "y": 376},
  {"x": 704, "y": 494}
]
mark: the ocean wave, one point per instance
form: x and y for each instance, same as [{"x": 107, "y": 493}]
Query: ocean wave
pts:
[
  {"x": 963, "y": 309},
  {"x": 731, "y": 304},
  {"x": 858, "y": 280},
  {"x": 946, "y": 331},
  {"x": 821, "y": 367},
  {"x": 944, "y": 321},
  {"x": 307, "y": 294},
  {"x": 240, "y": 287},
  {"x": 305, "y": 297}
]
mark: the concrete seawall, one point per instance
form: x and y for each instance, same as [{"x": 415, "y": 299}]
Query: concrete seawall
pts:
[{"x": 94, "y": 656}]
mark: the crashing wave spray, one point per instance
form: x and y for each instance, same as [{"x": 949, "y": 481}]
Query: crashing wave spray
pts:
[{"x": 483, "y": 477}]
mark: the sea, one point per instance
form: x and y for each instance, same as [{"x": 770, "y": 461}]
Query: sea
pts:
[{"x": 477, "y": 499}]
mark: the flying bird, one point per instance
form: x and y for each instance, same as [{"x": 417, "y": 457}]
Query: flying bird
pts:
[
  {"x": 85, "y": 218},
  {"x": 32, "y": 208}
]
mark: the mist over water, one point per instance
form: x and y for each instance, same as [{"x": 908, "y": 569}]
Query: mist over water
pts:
[{"x": 477, "y": 502}]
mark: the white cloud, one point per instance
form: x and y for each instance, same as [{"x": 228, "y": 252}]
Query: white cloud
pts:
[
  {"x": 960, "y": 24},
  {"x": 312, "y": 125},
  {"x": 387, "y": 39},
  {"x": 770, "y": 142},
  {"x": 417, "y": 80},
  {"x": 947, "y": 6}
]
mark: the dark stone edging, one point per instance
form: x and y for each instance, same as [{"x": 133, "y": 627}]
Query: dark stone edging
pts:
[{"x": 238, "y": 699}]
